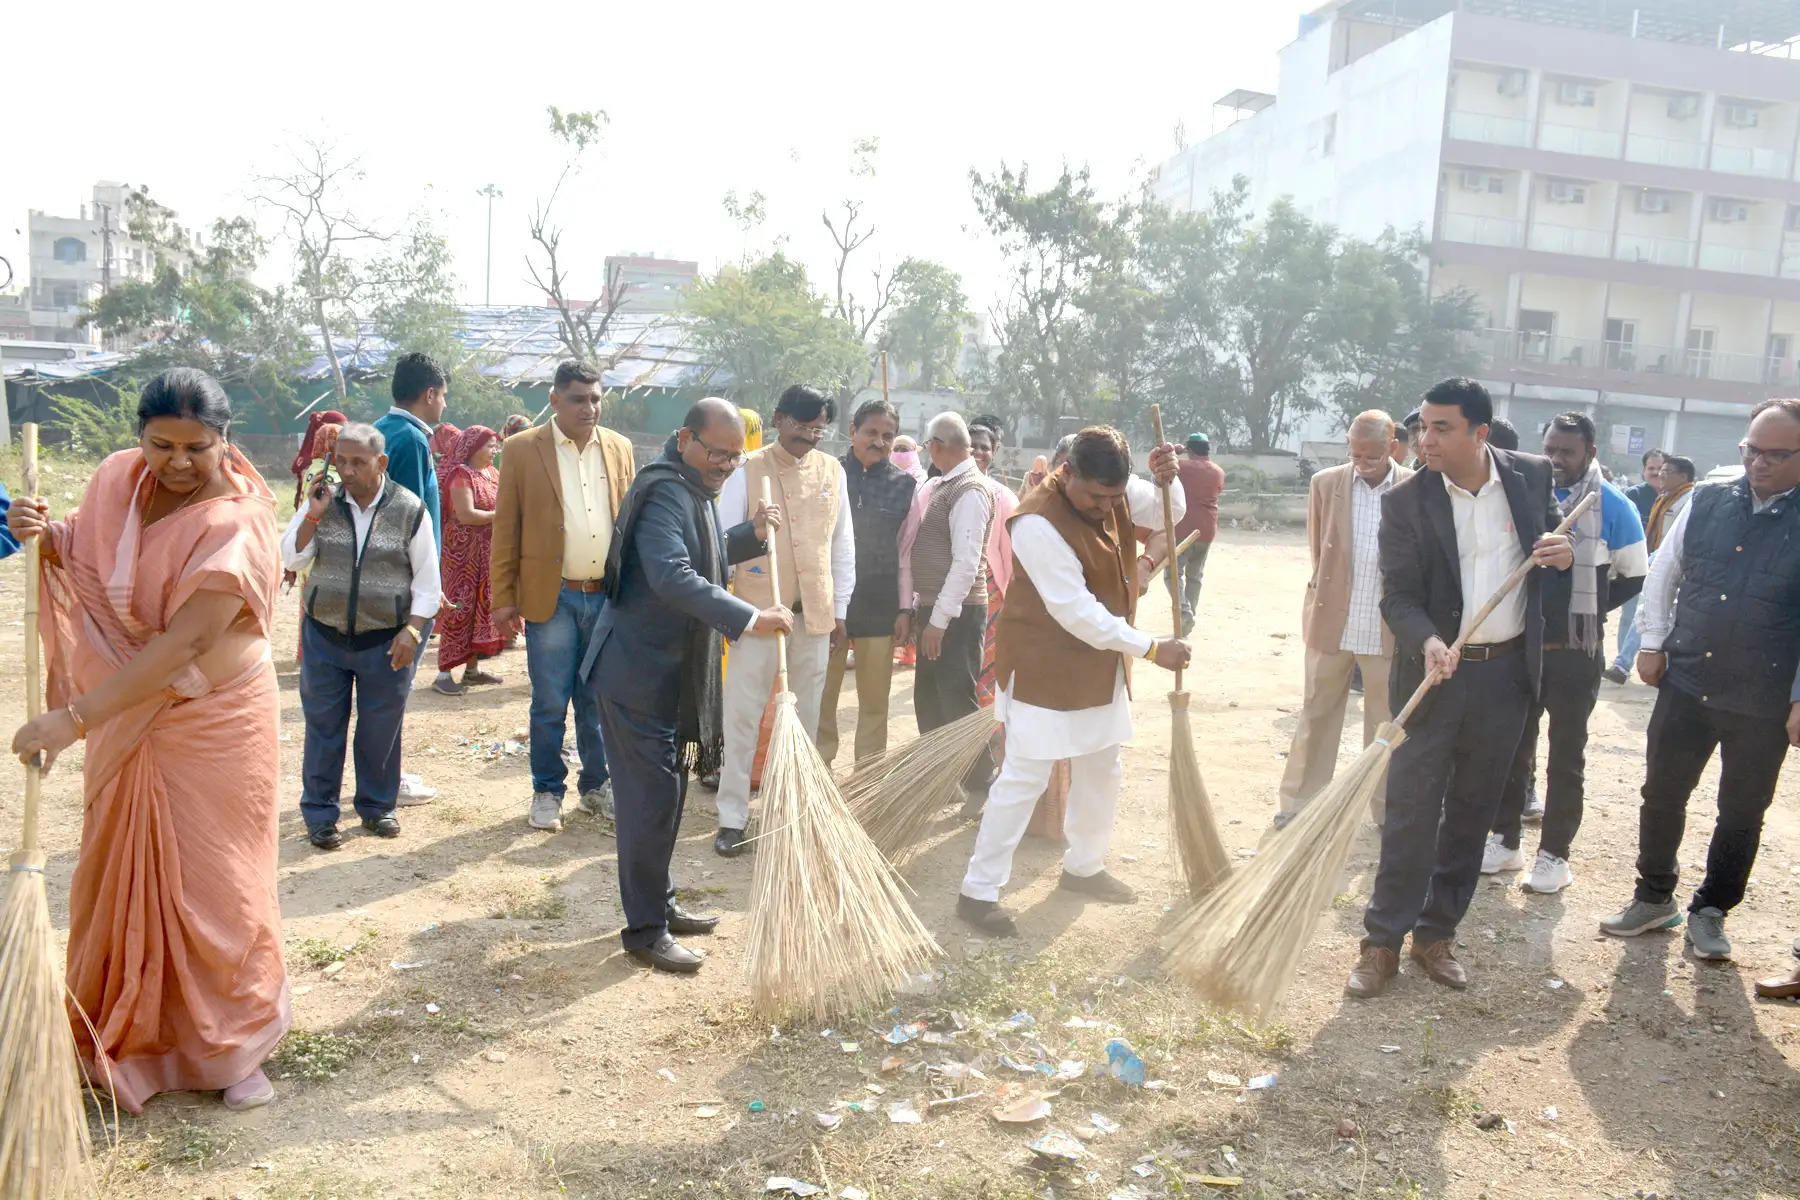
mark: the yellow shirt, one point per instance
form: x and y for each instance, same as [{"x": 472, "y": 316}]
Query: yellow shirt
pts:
[{"x": 587, "y": 506}]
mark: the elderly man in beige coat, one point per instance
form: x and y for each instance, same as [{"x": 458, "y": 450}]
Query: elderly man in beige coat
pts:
[{"x": 1341, "y": 622}]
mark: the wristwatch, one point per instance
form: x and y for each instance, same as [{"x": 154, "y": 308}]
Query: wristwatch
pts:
[{"x": 408, "y": 629}]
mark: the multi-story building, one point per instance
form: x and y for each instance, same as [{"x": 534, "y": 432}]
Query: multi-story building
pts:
[
  {"x": 75, "y": 259},
  {"x": 651, "y": 284},
  {"x": 1617, "y": 184}
]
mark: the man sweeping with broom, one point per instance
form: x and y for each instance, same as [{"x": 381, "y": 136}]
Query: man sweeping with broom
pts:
[
  {"x": 1450, "y": 536},
  {"x": 1062, "y": 653}
]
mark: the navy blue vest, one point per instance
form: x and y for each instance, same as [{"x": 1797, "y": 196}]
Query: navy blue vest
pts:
[{"x": 1736, "y": 642}]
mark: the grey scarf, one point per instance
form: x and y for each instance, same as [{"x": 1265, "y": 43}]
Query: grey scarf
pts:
[{"x": 1591, "y": 557}]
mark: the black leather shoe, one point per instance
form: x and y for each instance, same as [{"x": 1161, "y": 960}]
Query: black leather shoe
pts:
[
  {"x": 680, "y": 920},
  {"x": 668, "y": 955},
  {"x": 987, "y": 916},
  {"x": 710, "y": 781},
  {"x": 325, "y": 837},
  {"x": 387, "y": 826},
  {"x": 729, "y": 843},
  {"x": 1100, "y": 886}
]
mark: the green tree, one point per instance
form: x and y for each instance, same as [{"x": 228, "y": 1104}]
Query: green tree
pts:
[
  {"x": 924, "y": 331},
  {"x": 200, "y": 308},
  {"x": 764, "y": 324}
]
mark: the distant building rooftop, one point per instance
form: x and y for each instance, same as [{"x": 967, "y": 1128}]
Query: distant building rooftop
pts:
[
  {"x": 1749, "y": 23},
  {"x": 1244, "y": 100}
]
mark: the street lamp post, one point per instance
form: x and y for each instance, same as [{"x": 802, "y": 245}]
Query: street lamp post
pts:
[{"x": 487, "y": 288}]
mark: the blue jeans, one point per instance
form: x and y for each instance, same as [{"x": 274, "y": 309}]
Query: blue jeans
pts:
[
  {"x": 554, "y": 652},
  {"x": 328, "y": 672},
  {"x": 1629, "y": 637}
]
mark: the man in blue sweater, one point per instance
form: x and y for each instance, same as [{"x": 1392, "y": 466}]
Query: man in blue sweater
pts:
[{"x": 420, "y": 389}]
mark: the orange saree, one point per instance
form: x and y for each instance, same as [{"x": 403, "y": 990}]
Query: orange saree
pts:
[{"x": 174, "y": 925}]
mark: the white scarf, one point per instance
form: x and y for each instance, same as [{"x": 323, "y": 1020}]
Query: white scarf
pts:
[{"x": 1591, "y": 554}]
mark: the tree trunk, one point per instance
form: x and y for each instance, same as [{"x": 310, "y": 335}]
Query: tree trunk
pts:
[{"x": 337, "y": 370}]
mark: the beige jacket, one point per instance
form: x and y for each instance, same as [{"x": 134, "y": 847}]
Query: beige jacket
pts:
[
  {"x": 528, "y": 517},
  {"x": 1329, "y": 514}
]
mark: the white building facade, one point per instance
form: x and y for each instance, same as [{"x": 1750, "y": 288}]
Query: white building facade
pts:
[
  {"x": 1621, "y": 193},
  {"x": 73, "y": 260}
]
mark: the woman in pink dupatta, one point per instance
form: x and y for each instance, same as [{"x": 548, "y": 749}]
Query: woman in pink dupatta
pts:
[{"x": 158, "y": 595}]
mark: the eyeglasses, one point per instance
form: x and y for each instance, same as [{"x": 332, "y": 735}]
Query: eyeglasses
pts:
[
  {"x": 1775, "y": 457},
  {"x": 720, "y": 458}
]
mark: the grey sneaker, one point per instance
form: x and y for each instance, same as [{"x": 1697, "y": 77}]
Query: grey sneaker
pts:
[
  {"x": 598, "y": 802},
  {"x": 1641, "y": 917},
  {"x": 546, "y": 812},
  {"x": 1706, "y": 934}
]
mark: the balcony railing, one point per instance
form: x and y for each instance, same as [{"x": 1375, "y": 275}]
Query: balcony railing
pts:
[
  {"x": 1647, "y": 248},
  {"x": 1751, "y": 160},
  {"x": 1483, "y": 231},
  {"x": 1552, "y": 352},
  {"x": 1567, "y": 239},
  {"x": 1737, "y": 260},
  {"x": 1486, "y": 127},
  {"x": 1665, "y": 152},
  {"x": 1575, "y": 139}
]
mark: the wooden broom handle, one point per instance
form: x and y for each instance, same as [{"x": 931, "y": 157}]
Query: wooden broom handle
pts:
[
  {"x": 781, "y": 671},
  {"x": 34, "y": 669},
  {"x": 1173, "y": 548},
  {"x": 1512, "y": 581}
]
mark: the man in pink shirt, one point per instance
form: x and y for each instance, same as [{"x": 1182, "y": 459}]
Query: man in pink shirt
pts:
[{"x": 1202, "y": 480}]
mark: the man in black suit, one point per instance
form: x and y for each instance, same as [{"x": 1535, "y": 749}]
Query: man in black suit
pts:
[
  {"x": 1449, "y": 536},
  {"x": 655, "y": 661}
]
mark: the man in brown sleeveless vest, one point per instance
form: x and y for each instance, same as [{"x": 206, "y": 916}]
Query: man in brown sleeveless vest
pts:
[{"x": 1063, "y": 651}]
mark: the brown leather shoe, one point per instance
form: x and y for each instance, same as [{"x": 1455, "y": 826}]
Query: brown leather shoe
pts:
[
  {"x": 1780, "y": 989},
  {"x": 1370, "y": 977},
  {"x": 1439, "y": 960}
]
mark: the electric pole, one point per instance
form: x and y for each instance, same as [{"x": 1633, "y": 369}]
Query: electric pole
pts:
[{"x": 487, "y": 288}]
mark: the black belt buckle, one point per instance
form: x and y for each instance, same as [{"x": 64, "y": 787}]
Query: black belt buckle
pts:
[{"x": 1490, "y": 650}]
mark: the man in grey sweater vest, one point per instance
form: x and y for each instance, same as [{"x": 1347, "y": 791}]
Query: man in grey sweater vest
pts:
[{"x": 373, "y": 587}]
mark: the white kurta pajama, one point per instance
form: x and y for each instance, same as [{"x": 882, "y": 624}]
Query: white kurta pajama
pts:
[{"x": 1037, "y": 737}]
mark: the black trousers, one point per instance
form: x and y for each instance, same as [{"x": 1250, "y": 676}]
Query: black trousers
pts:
[
  {"x": 1569, "y": 689},
  {"x": 1683, "y": 735},
  {"x": 649, "y": 790},
  {"x": 1443, "y": 793},
  {"x": 944, "y": 687}
]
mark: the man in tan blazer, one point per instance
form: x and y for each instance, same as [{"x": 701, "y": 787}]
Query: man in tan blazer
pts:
[
  {"x": 1341, "y": 622},
  {"x": 560, "y": 488}
]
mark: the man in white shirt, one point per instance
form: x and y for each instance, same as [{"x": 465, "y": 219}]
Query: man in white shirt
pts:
[
  {"x": 372, "y": 589},
  {"x": 1450, "y": 536},
  {"x": 1341, "y": 619},
  {"x": 944, "y": 583},
  {"x": 1062, "y": 655},
  {"x": 815, "y": 553}
]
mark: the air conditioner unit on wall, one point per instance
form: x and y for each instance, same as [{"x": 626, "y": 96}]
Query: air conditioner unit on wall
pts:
[
  {"x": 1576, "y": 95},
  {"x": 1684, "y": 107},
  {"x": 1653, "y": 202},
  {"x": 1744, "y": 116},
  {"x": 1562, "y": 191},
  {"x": 1730, "y": 211},
  {"x": 1511, "y": 83}
]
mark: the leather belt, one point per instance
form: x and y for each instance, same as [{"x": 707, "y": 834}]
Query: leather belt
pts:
[
  {"x": 1492, "y": 650},
  {"x": 584, "y": 585}
]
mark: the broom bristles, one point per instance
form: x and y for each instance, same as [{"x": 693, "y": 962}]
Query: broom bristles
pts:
[
  {"x": 43, "y": 1127},
  {"x": 1204, "y": 862},
  {"x": 830, "y": 930},
  {"x": 1241, "y": 945},
  {"x": 896, "y": 794}
]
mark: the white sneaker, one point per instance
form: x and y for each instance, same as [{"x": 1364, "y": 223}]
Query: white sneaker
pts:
[
  {"x": 414, "y": 791},
  {"x": 1549, "y": 874},
  {"x": 1495, "y": 857},
  {"x": 546, "y": 812},
  {"x": 598, "y": 802}
]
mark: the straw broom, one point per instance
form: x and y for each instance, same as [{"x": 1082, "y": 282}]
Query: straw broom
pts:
[
  {"x": 43, "y": 1130},
  {"x": 1196, "y": 833},
  {"x": 1240, "y": 946},
  {"x": 830, "y": 931}
]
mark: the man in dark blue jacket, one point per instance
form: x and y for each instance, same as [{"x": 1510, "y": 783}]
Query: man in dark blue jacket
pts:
[{"x": 655, "y": 661}]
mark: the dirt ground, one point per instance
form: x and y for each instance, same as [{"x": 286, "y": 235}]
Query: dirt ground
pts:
[{"x": 485, "y": 1036}]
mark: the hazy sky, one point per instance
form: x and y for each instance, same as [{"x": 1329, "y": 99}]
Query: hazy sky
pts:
[{"x": 195, "y": 99}]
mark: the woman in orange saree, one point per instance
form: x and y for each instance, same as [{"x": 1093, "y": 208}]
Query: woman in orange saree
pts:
[{"x": 158, "y": 596}]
